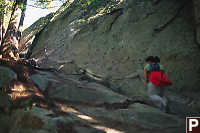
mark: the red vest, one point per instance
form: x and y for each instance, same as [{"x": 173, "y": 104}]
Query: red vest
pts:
[{"x": 159, "y": 78}]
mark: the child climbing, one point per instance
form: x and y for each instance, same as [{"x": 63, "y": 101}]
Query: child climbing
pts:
[{"x": 156, "y": 81}]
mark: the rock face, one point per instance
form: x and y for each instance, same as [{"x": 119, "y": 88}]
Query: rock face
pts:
[
  {"x": 81, "y": 106},
  {"x": 95, "y": 120},
  {"x": 90, "y": 75},
  {"x": 114, "y": 44},
  {"x": 197, "y": 20}
]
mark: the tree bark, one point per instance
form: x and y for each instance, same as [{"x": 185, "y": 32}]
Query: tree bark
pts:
[
  {"x": 21, "y": 23},
  {"x": 1, "y": 32},
  {"x": 2, "y": 29},
  {"x": 10, "y": 44},
  {"x": 1, "y": 22}
]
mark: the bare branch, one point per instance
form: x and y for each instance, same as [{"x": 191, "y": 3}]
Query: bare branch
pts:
[{"x": 42, "y": 7}]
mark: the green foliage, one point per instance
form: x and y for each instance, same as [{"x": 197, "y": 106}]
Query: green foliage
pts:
[
  {"x": 43, "y": 3},
  {"x": 46, "y": 3},
  {"x": 22, "y": 6},
  {"x": 83, "y": 20},
  {"x": 2, "y": 9},
  {"x": 89, "y": 2},
  {"x": 91, "y": 7},
  {"x": 5, "y": 11},
  {"x": 25, "y": 104}
]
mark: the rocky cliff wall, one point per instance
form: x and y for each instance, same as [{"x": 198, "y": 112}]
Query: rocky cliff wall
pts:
[{"x": 114, "y": 44}]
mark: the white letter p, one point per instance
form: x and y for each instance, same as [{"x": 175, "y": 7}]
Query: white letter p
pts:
[{"x": 193, "y": 123}]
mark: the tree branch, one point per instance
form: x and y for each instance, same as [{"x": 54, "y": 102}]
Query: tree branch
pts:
[{"x": 42, "y": 7}]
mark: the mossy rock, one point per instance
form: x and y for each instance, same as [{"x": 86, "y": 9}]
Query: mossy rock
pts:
[
  {"x": 4, "y": 122},
  {"x": 6, "y": 76}
]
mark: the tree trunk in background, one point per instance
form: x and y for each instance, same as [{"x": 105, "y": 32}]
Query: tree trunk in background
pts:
[
  {"x": 20, "y": 28},
  {"x": 1, "y": 32},
  {"x": 7, "y": 15},
  {"x": 21, "y": 23},
  {"x": 197, "y": 19},
  {"x": 2, "y": 13},
  {"x": 9, "y": 47}
]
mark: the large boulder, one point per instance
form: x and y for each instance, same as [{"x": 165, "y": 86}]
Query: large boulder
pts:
[
  {"x": 6, "y": 76},
  {"x": 87, "y": 119},
  {"x": 136, "y": 118},
  {"x": 96, "y": 58},
  {"x": 5, "y": 109},
  {"x": 39, "y": 120},
  {"x": 114, "y": 42},
  {"x": 71, "y": 90}
]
